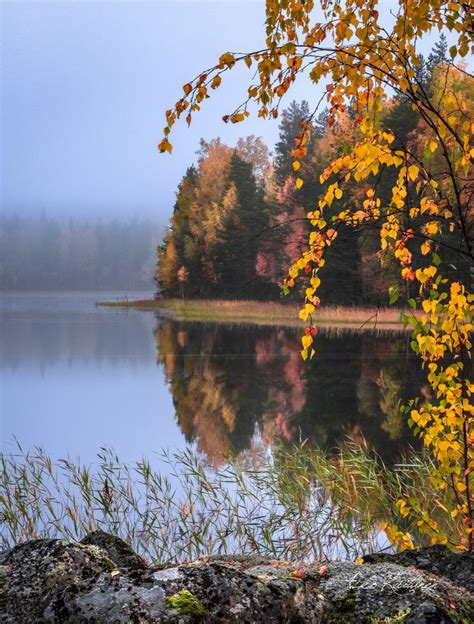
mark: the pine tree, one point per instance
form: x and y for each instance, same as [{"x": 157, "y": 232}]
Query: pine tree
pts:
[
  {"x": 236, "y": 253},
  {"x": 289, "y": 129}
]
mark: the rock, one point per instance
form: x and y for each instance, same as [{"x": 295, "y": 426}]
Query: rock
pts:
[
  {"x": 35, "y": 572},
  {"x": 387, "y": 592},
  {"x": 202, "y": 592},
  {"x": 438, "y": 560},
  {"x": 119, "y": 551},
  {"x": 101, "y": 580}
]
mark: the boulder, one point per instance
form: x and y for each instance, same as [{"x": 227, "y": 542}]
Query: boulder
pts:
[
  {"x": 101, "y": 580},
  {"x": 119, "y": 551},
  {"x": 437, "y": 560}
]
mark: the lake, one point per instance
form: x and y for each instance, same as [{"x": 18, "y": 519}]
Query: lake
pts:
[{"x": 75, "y": 378}]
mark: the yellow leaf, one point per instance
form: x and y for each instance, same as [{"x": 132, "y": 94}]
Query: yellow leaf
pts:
[
  {"x": 403, "y": 84},
  {"x": 299, "y": 183},
  {"x": 227, "y": 59},
  {"x": 432, "y": 228},
  {"x": 296, "y": 165},
  {"x": 303, "y": 315},
  {"x": 216, "y": 81},
  {"x": 413, "y": 171},
  {"x": 426, "y": 248},
  {"x": 306, "y": 341}
]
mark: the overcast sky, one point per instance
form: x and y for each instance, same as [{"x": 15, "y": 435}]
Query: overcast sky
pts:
[{"x": 84, "y": 89}]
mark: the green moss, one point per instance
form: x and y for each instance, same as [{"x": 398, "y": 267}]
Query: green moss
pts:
[
  {"x": 344, "y": 612},
  {"x": 350, "y": 600},
  {"x": 106, "y": 562},
  {"x": 463, "y": 615},
  {"x": 55, "y": 575},
  {"x": 398, "y": 618},
  {"x": 186, "y": 603}
]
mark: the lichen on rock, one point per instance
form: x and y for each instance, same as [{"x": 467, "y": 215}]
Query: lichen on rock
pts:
[
  {"x": 119, "y": 551},
  {"x": 102, "y": 580}
]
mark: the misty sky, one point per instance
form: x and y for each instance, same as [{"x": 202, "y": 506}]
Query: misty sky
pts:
[{"x": 84, "y": 89}]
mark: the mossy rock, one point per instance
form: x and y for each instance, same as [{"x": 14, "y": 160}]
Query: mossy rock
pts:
[
  {"x": 185, "y": 603},
  {"x": 53, "y": 581}
]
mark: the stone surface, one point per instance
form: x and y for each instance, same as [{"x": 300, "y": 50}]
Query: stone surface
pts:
[
  {"x": 438, "y": 560},
  {"x": 57, "y": 582},
  {"x": 119, "y": 551}
]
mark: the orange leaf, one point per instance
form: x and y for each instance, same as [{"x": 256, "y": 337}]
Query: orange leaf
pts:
[{"x": 165, "y": 146}]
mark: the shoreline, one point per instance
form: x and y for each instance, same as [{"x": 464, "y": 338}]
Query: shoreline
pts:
[{"x": 264, "y": 313}]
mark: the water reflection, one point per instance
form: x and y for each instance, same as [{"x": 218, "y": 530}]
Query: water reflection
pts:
[
  {"x": 235, "y": 386},
  {"x": 75, "y": 377},
  {"x": 47, "y": 329}
]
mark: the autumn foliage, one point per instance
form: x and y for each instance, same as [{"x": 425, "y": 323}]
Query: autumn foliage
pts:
[{"x": 360, "y": 59}]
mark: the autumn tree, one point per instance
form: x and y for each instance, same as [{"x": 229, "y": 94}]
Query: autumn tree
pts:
[
  {"x": 219, "y": 212},
  {"x": 359, "y": 56}
]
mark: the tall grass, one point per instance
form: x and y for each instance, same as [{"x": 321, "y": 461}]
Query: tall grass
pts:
[{"x": 290, "y": 504}]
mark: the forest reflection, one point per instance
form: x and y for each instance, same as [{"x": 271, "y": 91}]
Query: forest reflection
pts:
[{"x": 238, "y": 387}]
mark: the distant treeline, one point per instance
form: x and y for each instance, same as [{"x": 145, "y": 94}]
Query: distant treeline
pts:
[
  {"x": 46, "y": 254},
  {"x": 239, "y": 221}
]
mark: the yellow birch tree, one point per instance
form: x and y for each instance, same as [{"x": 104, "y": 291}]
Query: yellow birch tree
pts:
[{"x": 360, "y": 59}]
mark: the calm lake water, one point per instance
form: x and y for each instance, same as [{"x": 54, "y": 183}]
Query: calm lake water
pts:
[{"x": 75, "y": 378}]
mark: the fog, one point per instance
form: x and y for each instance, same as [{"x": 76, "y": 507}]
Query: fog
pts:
[
  {"x": 84, "y": 90},
  {"x": 46, "y": 253}
]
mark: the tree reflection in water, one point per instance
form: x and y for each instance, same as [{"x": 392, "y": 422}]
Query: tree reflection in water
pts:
[{"x": 237, "y": 387}]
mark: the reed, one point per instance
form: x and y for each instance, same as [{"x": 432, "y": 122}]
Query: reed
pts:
[{"x": 298, "y": 504}]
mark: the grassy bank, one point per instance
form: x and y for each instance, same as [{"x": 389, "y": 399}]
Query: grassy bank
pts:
[{"x": 262, "y": 313}]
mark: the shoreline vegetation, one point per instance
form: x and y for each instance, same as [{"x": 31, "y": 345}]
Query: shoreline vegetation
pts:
[
  {"x": 265, "y": 313},
  {"x": 296, "y": 503}
]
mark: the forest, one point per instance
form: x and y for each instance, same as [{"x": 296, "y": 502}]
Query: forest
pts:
[
  {"x": 240, "y": 221},
  {"x": 43, "y": 253}
]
